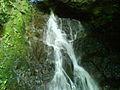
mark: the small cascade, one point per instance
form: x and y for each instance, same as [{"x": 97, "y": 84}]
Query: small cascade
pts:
[{"x": 56, "y": 39}]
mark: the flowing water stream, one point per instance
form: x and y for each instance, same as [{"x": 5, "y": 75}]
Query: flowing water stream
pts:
[{"x": 57, "y": 39}]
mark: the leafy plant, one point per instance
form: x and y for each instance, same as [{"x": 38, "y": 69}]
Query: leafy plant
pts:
[{"x": 14, "y": 16}]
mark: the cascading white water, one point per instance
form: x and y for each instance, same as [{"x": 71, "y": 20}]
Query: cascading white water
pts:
[{"x": 57, "y": 39}]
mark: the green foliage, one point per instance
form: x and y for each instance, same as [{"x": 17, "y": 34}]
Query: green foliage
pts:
[
  {"x": 104, "y": 12},
  {"x": 14, "y": 16},
  {"x": 4, "y": 15}
]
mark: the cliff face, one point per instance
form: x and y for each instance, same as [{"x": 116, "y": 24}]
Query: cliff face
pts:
[
  {"x": 100, "y": 49},
  {"x": 101, "y": 15}
]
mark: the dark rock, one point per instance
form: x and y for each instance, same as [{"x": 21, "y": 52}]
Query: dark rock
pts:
[
  {"x": 89, "y": 47},
  {"x": 110, "y": 66}
]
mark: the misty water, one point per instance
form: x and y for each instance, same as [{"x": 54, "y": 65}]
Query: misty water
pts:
[{"x": 62, "y": 44}]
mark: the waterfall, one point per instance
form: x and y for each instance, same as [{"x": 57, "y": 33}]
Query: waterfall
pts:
[{"x": 56, "y": 39}]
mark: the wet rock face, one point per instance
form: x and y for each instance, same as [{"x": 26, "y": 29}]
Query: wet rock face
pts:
[
  {"x": 90, "y": 53},
  {"x": 38, "y": 71},
  {"x": 97, "y": 60},
  {"x": 44, "y": 67},
  {"x": 98, "y": 48},
  {"x": 111, "y": 66},
  {"x": 89, "y": 47}
]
